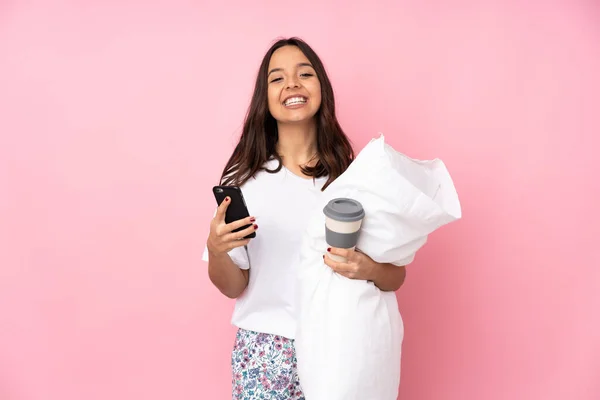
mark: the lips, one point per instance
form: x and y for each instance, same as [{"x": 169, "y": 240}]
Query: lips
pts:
[{"x": 295, "y": 100}]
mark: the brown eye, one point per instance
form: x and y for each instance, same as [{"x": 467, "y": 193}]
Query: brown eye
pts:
[{"x": 276, "y": 80}]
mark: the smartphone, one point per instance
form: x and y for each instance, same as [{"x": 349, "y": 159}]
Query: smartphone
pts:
[{"x": 237, "y": 208}]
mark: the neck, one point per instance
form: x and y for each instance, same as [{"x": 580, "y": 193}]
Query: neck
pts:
[{"x": 297, "y": 143}]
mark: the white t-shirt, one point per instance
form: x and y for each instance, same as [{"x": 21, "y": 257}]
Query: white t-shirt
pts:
[{"x": 281, "y": 203}]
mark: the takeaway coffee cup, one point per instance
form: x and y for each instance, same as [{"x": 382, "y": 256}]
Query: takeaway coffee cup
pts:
[{"x": 342, "y": 224}]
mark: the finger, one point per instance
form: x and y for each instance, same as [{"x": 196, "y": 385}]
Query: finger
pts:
[
  {"x": 339, "y": 267},
  {"x": 238, "y": 243},
  {"x": 238, "y": 224},
  {"x": 222, "y": 209},
  {"x": 346, "y": 253},
  {"x": 241, "y": 234},
  {"x": 349, "y": 275}
]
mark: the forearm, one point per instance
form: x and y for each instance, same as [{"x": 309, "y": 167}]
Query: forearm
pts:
[
  {"x": 388, "y": 277},
  {"x": 226, "y": 275}
]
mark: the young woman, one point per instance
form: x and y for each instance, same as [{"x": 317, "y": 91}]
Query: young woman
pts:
[{"x": 291, "y": 148}]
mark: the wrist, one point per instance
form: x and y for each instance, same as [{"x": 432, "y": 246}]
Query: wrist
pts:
[
  {"x": 376, "y": 271},
  {"x": 214, "y": 254}
]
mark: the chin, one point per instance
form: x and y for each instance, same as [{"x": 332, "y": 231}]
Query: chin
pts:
[{"x": 296, "y": 119}]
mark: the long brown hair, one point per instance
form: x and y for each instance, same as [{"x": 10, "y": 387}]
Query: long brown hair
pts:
[{"x": 258, "y": 142}]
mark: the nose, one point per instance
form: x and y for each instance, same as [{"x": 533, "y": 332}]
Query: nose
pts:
[{"x": 292, "y": 83}]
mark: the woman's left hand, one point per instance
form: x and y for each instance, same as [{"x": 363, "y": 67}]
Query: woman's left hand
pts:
[{"x": 358, "y": 265}]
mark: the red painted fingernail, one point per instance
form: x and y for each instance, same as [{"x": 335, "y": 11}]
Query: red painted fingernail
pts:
[
  {"x": 226, "y": 198},
  {"x": 252, "y": 219},
  {"x": 329, "y": 249},
  {"x": 255, "y": 227}
]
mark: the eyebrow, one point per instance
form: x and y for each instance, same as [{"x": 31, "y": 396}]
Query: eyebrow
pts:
[{"x": 298, "y": 65}]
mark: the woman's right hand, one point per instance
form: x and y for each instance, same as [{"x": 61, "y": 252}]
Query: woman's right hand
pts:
[{"x": 221, "y": 238}]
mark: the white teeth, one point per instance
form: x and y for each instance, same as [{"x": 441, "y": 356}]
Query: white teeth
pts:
[{"x": 295, "y": 100}]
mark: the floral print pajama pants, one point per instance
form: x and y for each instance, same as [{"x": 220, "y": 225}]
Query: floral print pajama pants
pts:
[{"x": 264, "y": 367}]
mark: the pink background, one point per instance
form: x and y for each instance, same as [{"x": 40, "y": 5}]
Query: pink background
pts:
[{"x": 116, "y": 118}]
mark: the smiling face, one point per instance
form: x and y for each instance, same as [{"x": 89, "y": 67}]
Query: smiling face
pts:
[{"x": 294, "y": 90}]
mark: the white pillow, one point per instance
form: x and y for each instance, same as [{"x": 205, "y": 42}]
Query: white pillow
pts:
[{"x": 350, "y": 333}]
